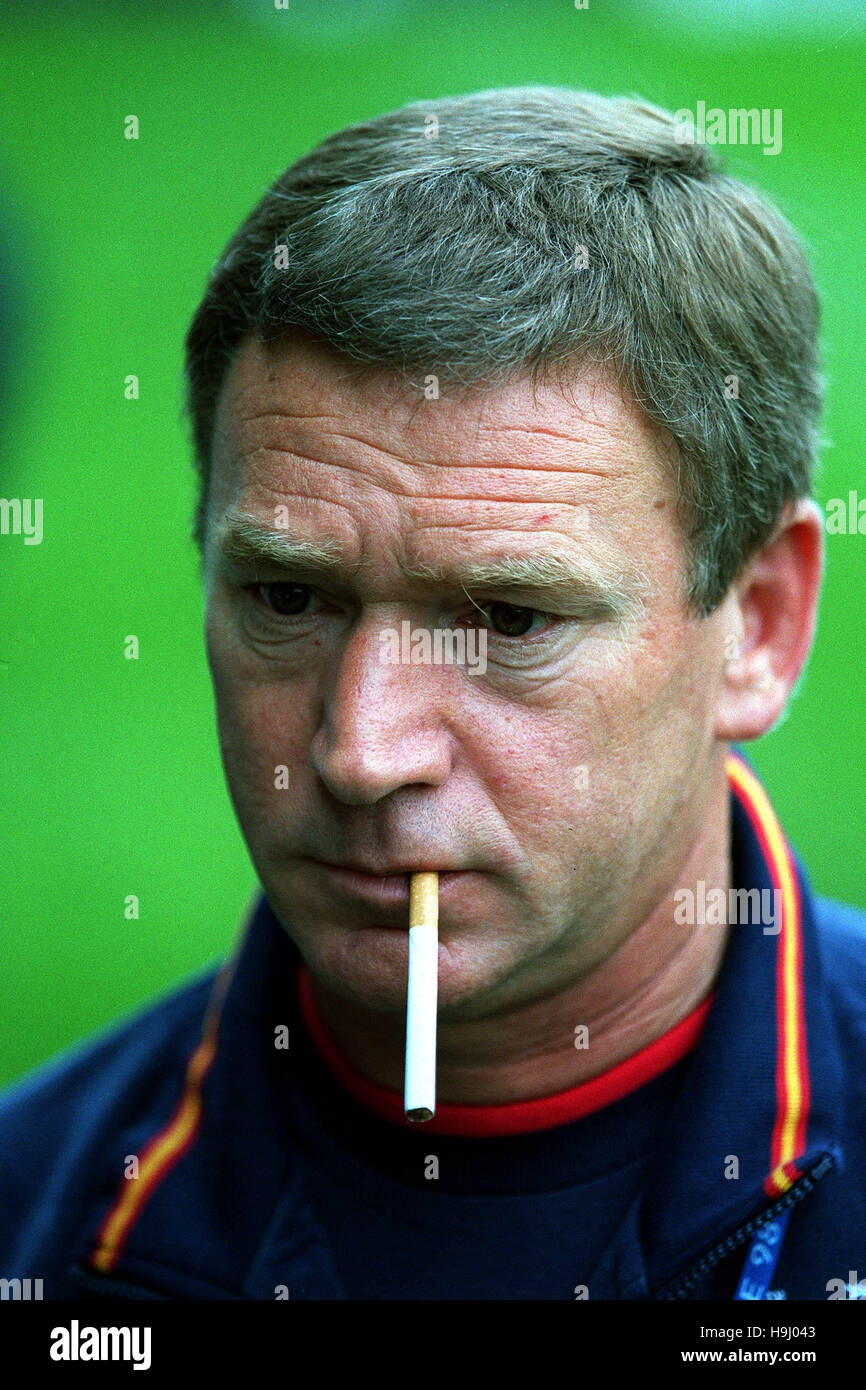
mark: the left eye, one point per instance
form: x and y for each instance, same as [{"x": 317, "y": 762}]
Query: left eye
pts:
[{"x": 509, "y": 620}]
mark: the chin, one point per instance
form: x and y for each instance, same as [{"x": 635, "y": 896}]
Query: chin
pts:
[{"x": 369, "y": 967}]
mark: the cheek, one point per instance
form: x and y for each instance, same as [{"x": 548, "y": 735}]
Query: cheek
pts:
[
  {"x": 577, "y": 774},
  {"x": 530, "y": 768},
  {"x": 259, "y": 731},
  {"x": 265, "y": 761}
]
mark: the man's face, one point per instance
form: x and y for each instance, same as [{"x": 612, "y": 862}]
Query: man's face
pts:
[{"x": 559, "y": 791}]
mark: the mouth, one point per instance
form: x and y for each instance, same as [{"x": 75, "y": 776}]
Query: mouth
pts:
[{"x": 381, "y": 889}]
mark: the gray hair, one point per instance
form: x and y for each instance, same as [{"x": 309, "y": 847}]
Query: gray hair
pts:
[{"x": 538, "y": 229}]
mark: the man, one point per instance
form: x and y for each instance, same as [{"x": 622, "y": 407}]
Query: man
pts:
[{"x": 520, "y": 364}]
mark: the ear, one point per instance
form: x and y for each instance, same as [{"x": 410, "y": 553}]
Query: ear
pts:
[{"x": 767, "y": 625}]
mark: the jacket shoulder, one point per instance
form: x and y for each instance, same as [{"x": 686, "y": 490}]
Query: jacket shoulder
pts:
[
  {"x": 843, "y": 927},
  {"x": 57, "y": 1117},
  {"x": 842, "y": 945},
  {"x": 128, "y": 1041}
]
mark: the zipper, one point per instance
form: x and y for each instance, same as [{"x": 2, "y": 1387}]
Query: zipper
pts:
[{"x": 796, "y": 1192}]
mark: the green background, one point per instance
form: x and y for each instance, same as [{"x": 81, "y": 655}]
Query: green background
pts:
[{"x": 110, "y": 777}]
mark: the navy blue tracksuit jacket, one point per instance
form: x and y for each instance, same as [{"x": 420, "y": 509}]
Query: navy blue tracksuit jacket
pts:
[{"x": 215, "y": 1146}]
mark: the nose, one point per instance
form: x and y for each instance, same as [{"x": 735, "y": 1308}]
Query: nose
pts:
[{"x": 383, "y": 724}]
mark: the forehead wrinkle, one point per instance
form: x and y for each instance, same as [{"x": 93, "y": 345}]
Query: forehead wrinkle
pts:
[
  {"x": 436, "y": 478},
  {"x": 340, "y": 432},
  {"x": 531, "y": 429},
  {"x": 299, "y": 375},
  {"x": 457, "y": 427},
  {"x": 293, "y": 463},
  {"x": 503, "y": 473}
]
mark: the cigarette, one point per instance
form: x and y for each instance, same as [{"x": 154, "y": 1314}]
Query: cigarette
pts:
[{"x": 419, "y": 1099}]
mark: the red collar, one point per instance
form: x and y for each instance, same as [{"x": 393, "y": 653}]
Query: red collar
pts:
[{"x": 521, "y": 1117}]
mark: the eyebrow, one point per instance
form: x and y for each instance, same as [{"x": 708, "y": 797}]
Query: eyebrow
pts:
[{"x": 243, "y": 540}]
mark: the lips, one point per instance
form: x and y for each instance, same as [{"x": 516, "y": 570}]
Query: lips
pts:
[
  {"x": 381, "y": 888},
  {"x": 385, "y": 870}
]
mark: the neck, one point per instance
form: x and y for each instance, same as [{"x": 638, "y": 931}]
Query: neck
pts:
[{"x": 659, "y": 974}]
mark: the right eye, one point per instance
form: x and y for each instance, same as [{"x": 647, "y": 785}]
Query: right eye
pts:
[{"x": 286, "y": 600}]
